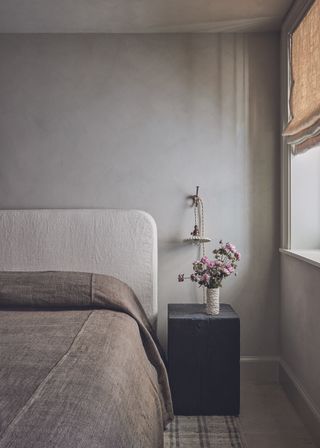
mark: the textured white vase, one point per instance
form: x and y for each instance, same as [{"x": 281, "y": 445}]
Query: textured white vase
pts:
[{"x": 213, "y": 301}]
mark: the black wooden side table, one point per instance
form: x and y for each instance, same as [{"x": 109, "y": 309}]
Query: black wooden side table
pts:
[{"x": 204, "y": 360}]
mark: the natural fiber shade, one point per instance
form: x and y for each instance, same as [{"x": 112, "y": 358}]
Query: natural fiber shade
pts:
[{"x": 305, "y": 72}]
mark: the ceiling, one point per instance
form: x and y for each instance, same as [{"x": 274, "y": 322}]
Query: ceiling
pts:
[{"x": 140, "y": 16}]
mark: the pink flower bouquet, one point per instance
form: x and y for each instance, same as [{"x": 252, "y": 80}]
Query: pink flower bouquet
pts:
[{"x": 210, "y": 273}]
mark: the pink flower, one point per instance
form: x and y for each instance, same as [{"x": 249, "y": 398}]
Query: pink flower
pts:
[
  {"x": 204, "y": 260},
  {"x": 211, "y": 264},
  {"x": 237, "y": 255},
  {"x": 181, "y": 278},
  {"x": 231, "y": 247},
  {"x": 226, "y": 271},
  {"x": 193, "y": 277},
  {"x": 205, "y": 278},
  {"x": 230, "y": 268}
]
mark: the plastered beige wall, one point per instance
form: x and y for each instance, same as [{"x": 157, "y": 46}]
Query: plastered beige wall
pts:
[{"x": 137, "y": 121}]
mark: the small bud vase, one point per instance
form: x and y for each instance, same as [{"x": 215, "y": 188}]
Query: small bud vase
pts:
[{"x": 213, "y": 303}]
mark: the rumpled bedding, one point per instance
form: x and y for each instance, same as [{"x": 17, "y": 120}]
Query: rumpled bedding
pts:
[{"x": 80, "y": 365}]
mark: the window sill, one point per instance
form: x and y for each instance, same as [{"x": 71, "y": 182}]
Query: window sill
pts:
[{"x": 309, "y": 256}]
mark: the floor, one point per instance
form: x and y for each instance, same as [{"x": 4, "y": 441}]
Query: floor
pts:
[{"x": 268, "y": 420}]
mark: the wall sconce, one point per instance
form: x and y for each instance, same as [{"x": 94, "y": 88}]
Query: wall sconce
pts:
[{"x": 198, "y": 234}]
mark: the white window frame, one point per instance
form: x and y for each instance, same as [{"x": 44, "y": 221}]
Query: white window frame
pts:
[{"x": 293, "y": 18}]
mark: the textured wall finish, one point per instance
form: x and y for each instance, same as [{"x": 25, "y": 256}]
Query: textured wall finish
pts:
[
  {"x": 136, "y": 121},
  {"x": 300, "y": 310},
  {"x": 140, "y": 16}
]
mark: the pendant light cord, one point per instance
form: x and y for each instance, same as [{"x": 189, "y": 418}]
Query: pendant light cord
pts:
[{"x": 199, "y": 218}]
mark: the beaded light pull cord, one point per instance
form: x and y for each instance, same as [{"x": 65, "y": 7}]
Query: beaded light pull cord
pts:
[
  {"x": 199, "y": 223},
  {"x": 198, "y": 234}
]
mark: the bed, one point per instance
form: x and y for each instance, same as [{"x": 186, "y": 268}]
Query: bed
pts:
[{"x": 80, "y": 364}]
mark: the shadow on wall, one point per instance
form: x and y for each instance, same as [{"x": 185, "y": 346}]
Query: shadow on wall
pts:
[
  {"x": 241, "y": 194},
  {"x": 136, "y": 121}
]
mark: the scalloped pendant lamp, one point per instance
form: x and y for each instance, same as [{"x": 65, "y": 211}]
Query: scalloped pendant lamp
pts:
[{"x": 198, "y": 234}]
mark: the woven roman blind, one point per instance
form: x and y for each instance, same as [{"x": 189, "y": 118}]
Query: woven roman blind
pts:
[{"x": 303, "y": 130}]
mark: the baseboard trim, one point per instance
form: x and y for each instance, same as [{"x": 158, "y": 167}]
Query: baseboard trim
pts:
[
  {"x": 273, "y": 369},
  {"x": 260, "y": 368},
  {"x": 308, "y": 411}
]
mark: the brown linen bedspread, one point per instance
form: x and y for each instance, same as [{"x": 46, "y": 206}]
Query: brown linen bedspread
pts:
[{"x": 79, "y": 364}]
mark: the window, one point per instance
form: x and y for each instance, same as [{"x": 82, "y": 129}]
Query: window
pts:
[
  {"x": 305, "y": 200},
  {"x": 301, "y": 129}
]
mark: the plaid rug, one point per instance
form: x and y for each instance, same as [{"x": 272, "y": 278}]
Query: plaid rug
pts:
[{"x": 203, "y": 432}]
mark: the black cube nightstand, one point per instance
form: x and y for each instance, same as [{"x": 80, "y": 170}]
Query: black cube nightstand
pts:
[{"x": 204, "y": 360}]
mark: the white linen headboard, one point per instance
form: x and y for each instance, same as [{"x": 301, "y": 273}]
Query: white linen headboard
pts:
[{"x": 122, "y": 243}]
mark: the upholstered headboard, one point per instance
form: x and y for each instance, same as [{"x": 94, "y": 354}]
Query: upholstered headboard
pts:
[{"x": 122, "y": 243}]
